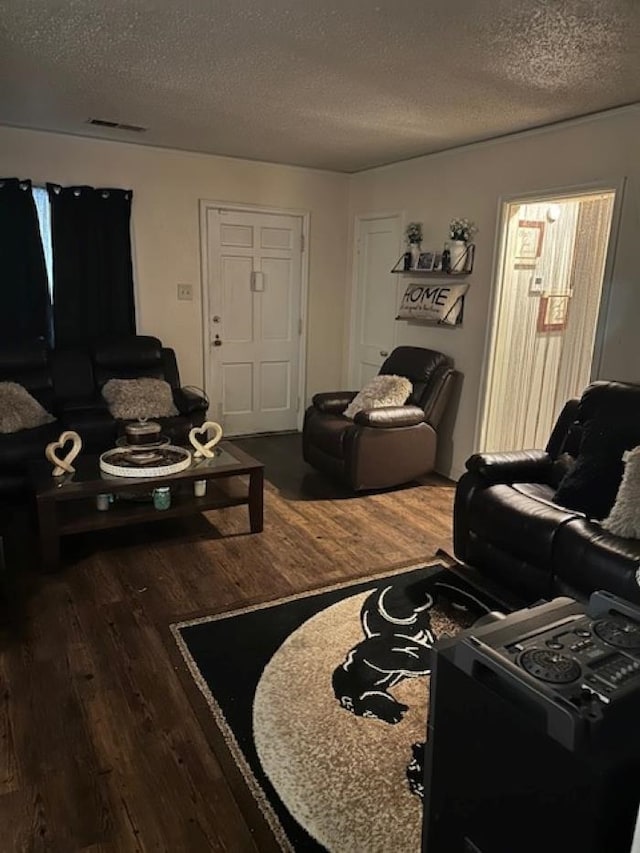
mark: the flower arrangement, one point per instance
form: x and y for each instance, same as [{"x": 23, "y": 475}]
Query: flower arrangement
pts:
[
  {"x": 414, "y": 232},
  {"x": 462, "y": 229}
]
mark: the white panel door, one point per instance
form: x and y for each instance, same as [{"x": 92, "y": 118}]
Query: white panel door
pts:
[
  {"x": 379, "y": 244},
  {"x": 254, "y": 263}
]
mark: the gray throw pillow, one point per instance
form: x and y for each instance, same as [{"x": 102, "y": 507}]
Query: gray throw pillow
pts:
[
  {"x": 129, "y": 399},
  {"x": 19, "y": 410},
  {"x": 624, "y": 518},
  {"x": 386, "y": 390}
]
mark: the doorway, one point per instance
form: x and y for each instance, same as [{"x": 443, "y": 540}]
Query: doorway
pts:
[
  {"x": 547, "y": 304},
  {"x": 378, "y": 244},
  {"x": 253, "y": 304}
]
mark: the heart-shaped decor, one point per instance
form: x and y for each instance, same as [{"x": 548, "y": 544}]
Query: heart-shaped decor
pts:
[
  {"x": 206, "y": 449},
  {"x": 63, "y": 466}
]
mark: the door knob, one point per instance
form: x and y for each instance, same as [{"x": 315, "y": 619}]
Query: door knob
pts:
[
  {"x": 217, "y": 342},
  {"x": 216, "y": 318},
  {"x": 384, "y": 352}
]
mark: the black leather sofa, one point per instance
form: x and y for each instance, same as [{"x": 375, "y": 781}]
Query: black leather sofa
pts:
[
  {"x": 68, "y": 384},
  {"x": 507, "y": 526}
]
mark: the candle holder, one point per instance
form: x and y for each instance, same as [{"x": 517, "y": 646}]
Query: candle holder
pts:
[{"x": 162, "y": 498}]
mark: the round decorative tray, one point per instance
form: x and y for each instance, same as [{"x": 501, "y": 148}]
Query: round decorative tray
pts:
[
  {"x": 126, "y": 445},
  {"x": 145, "y": 462}
]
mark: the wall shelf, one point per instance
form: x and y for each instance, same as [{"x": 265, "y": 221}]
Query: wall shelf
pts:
[
  {"x": 431, "y": 273},
  {"x": 428, "y": 260}
]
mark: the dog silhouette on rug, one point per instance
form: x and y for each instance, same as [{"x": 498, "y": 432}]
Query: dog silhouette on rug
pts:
[
  {"x": 398, "y": 637},
  {"x": 397, "y": 645}
]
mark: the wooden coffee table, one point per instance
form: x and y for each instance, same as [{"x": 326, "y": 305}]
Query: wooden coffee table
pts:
[{"x": 67, "y": 504}]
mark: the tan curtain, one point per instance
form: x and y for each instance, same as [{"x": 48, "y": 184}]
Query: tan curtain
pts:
[{"x": 552, "y": 270}]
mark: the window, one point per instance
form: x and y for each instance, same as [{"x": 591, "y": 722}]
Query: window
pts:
[{"x": 43, "y": 208}]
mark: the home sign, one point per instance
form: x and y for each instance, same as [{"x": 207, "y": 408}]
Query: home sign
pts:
[{"x": 433, "y": 303}]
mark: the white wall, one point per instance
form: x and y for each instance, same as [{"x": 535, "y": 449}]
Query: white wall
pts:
[
  {"x": 470, "y": 182},
  {"x": 167, "y": 186},
  {"x": 467, "y": 182}
]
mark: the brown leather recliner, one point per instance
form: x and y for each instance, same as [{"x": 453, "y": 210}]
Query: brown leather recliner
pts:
[{"x": 385, "y": 447}]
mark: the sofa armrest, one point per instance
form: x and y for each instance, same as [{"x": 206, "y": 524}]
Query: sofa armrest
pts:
[
  {"x": 188, "y": 401},
  {"x": 390, "y": 416},
  {"x": 334, "y": 402},
  {"x": 518, "y": 466}
]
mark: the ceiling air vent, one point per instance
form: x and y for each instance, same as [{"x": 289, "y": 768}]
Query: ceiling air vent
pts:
[{"x": 131, "y": 128}]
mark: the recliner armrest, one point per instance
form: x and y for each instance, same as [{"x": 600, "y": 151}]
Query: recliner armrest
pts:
[
  {"x": 517, "y": 466},
  {"x": 189, "y": 401},
  {"x": 334, "y": 402},
  {"x": 390, "y": 416}
]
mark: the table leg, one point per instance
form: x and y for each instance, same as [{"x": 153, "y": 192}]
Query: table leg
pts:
[
  {"x": 256, "y": 501},
  {"x": 49, "y": 535}
]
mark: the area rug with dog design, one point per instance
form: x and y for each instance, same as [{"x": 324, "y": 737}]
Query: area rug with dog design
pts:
[{"x": 321, "y": 703}]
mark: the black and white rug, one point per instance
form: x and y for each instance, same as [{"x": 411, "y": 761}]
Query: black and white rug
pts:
[{"x": 322, "y": 700}]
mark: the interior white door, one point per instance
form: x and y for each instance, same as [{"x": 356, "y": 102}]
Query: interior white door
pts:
[
  {"x": 255, "y": 323},
  {"x": 378, "y": 246}
]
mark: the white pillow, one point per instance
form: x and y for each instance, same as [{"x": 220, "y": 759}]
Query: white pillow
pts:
[
  {"x": 19, "y": 410},
  {"x": 388, "y": 390},
  {"x": 146, "y": 397},
  {"x": 624, "y": 518}
]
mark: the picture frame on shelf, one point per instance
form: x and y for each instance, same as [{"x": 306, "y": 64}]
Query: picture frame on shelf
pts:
[
  {"x": 437, "y": 262},
  {"x": 426, "y": 261}
]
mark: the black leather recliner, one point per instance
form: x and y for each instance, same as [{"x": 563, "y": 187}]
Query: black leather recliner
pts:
[
  {"x": 385, "y": 447},
  {"x": 141, "y": 356},
  {"x": 78, "y": 403},
  {"x": 507, "y": 526}
]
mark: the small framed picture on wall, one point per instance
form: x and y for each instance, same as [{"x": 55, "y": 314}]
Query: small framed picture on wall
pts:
[
  {"x": 553, "y": 312},
  {"x": 529, "y": 238}
]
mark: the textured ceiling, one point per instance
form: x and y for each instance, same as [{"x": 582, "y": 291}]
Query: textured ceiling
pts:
[{"x": 335, "y": 85}]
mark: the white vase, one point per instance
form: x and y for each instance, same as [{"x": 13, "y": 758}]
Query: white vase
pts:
[
  {"x": 457, "y": 255},
  {"x": 414, "y": 249}
]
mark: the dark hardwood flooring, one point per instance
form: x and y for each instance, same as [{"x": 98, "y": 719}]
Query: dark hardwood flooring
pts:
[{"x": 100, "y": 748}]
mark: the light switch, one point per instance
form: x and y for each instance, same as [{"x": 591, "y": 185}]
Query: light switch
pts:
[{"x": 185, "y": 291}]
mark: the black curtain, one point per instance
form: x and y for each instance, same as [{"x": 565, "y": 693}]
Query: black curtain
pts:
[
  {"x": 92, "y": 270},
  {"x": 25, "y": 307}
]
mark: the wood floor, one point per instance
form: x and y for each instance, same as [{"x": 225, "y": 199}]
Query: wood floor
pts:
[{"x": 100, "y": 748}]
